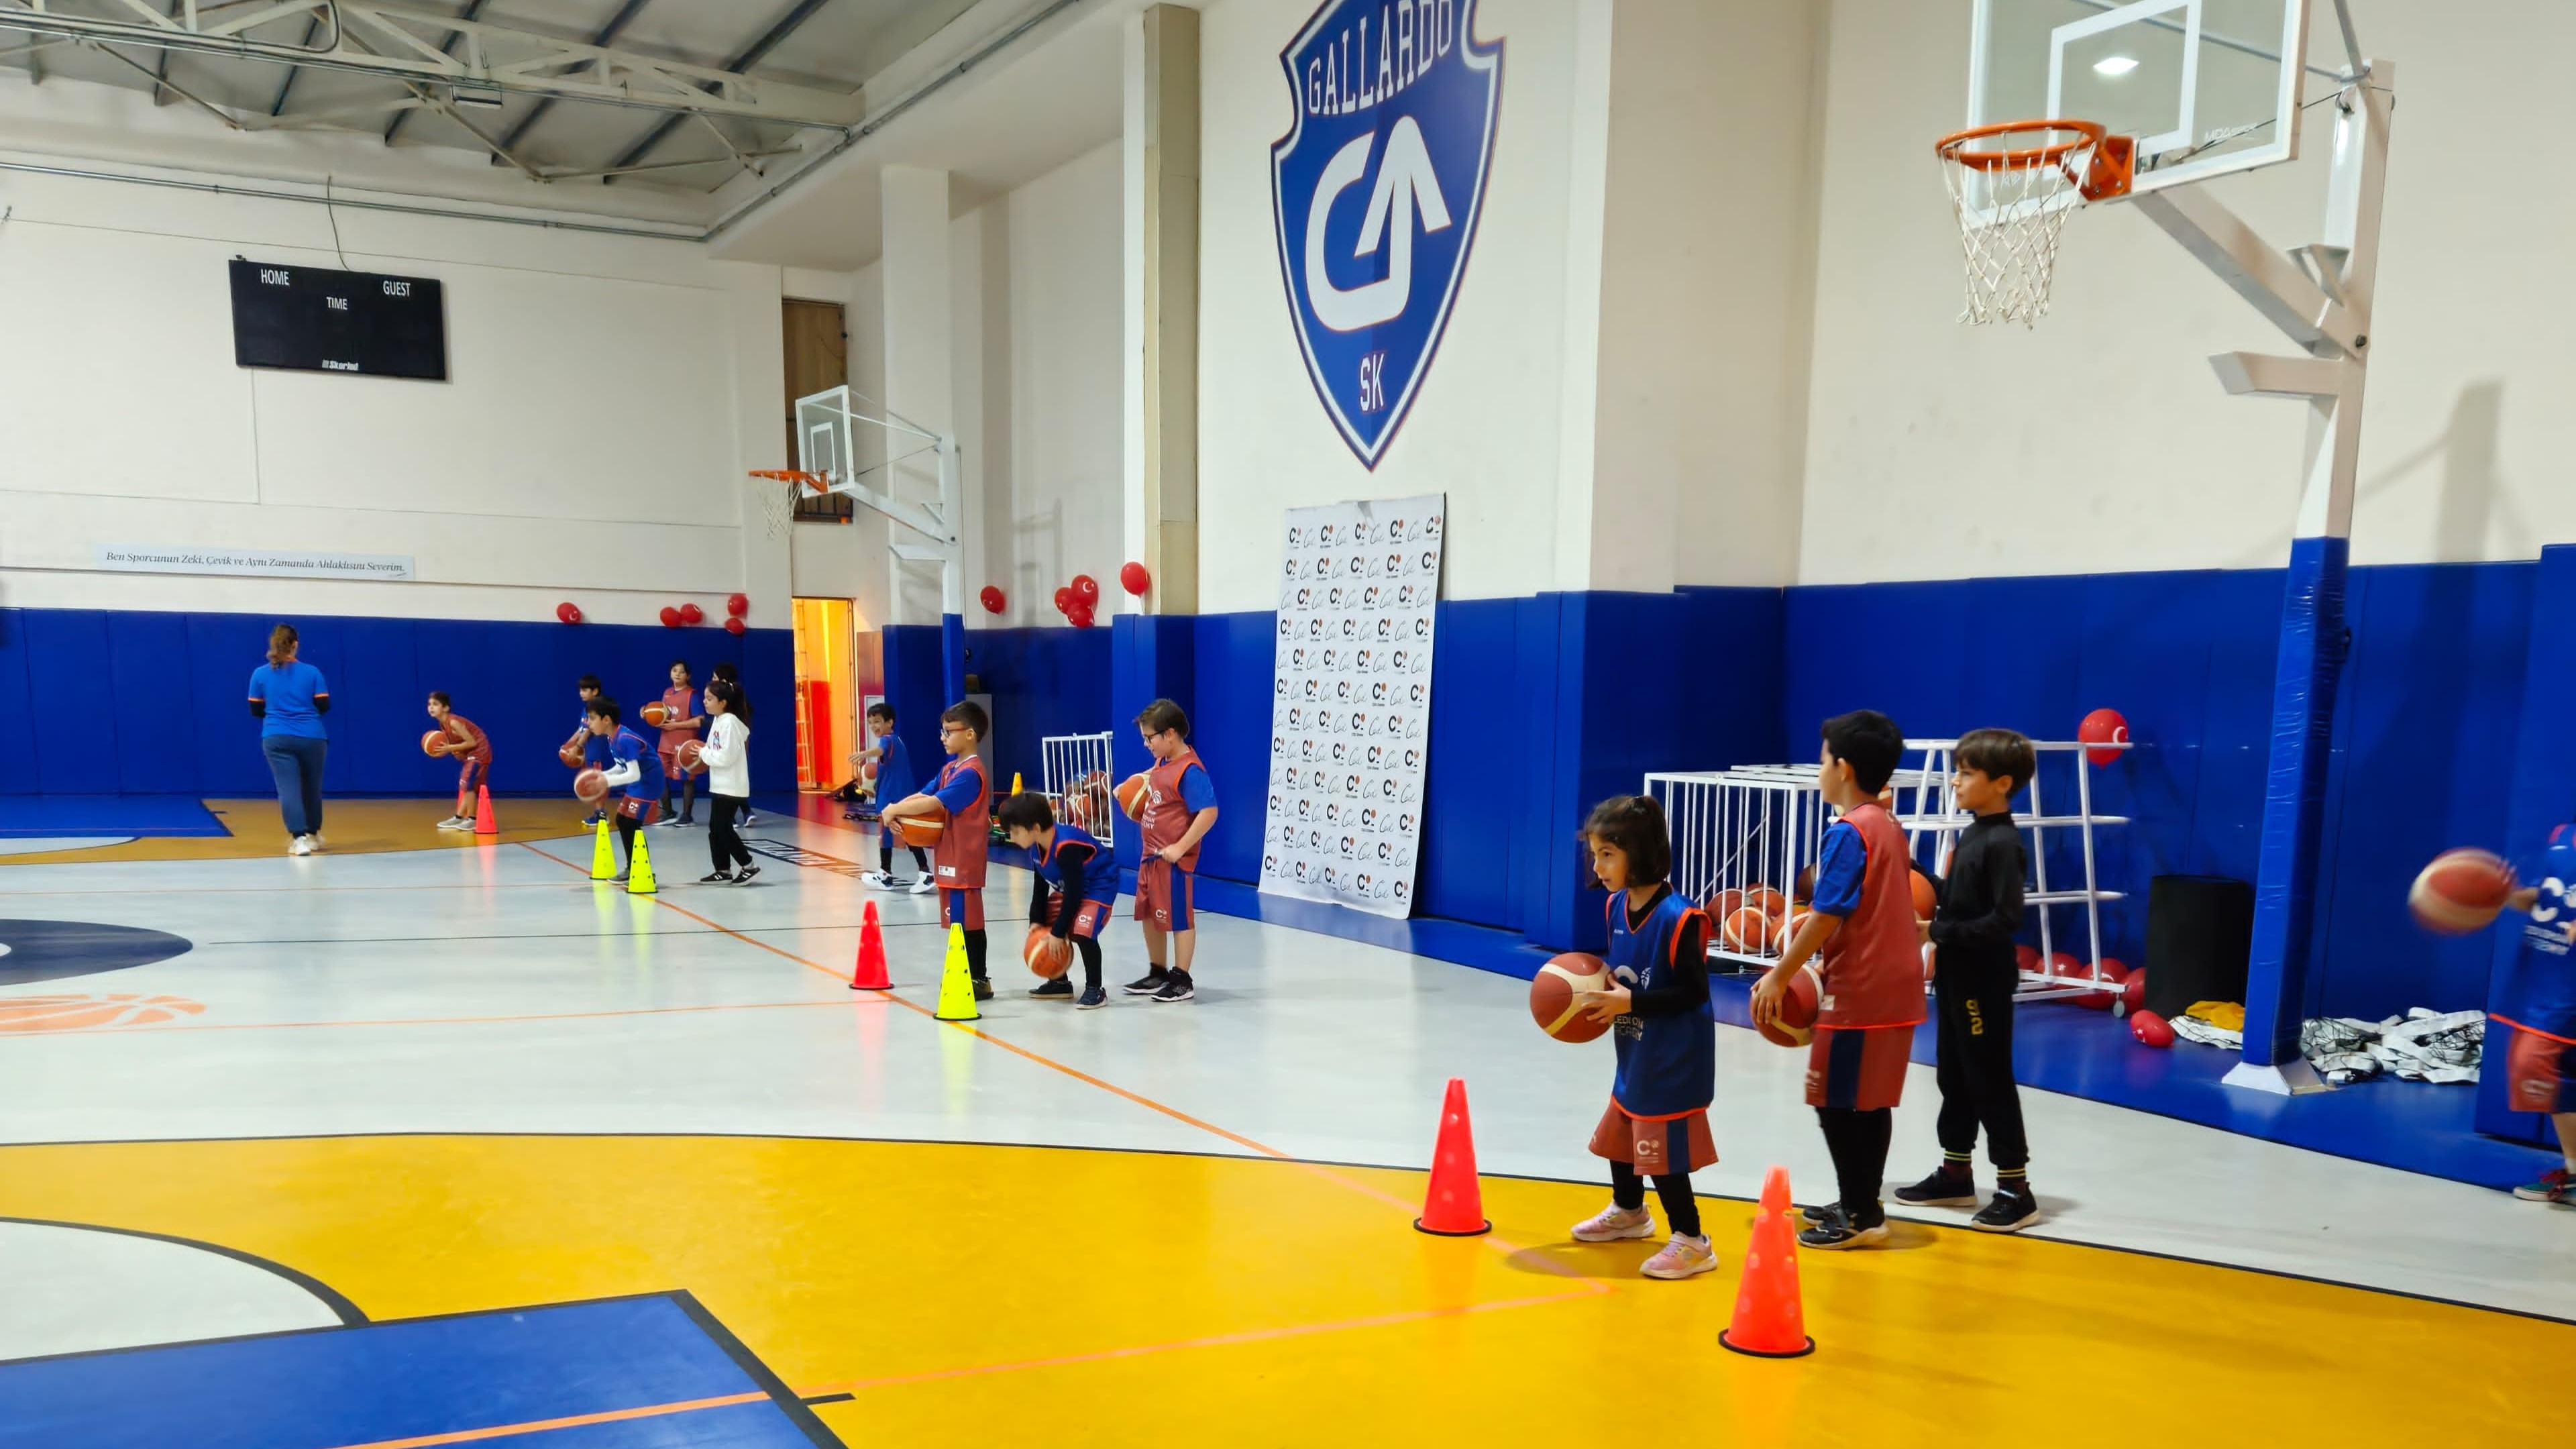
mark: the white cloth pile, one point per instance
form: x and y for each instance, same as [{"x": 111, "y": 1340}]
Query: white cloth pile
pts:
[{"x": 2421, "y": 1046}]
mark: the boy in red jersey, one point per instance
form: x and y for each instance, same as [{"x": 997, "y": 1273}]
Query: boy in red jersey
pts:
[
  {"x": 465, "y": 742},
  {"x": 962, "y": 796},
  {"x": 1861, "y": 928},
  {"x": 1180, "y": 809}
]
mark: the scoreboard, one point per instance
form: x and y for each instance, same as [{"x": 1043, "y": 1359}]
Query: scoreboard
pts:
[{"x": 313, "y": 319}]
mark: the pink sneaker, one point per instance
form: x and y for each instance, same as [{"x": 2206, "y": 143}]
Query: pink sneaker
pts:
[
  {"x": 1613, "y": 1223},
  {"x": 1681, "y": 1258}
]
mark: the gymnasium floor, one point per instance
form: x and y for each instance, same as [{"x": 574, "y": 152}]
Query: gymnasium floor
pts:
[{"x": 495, "y": 1156}]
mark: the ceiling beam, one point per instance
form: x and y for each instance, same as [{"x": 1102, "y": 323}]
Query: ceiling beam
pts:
[
  {"x": 399, "y": 45},
  {"x": 750, "y": 56},
  {"x": 606, "y": 33},
  {"x": 472, "y": 9}
]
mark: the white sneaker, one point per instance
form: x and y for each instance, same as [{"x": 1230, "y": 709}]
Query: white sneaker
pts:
[
  {"x": 923, "y": 886},
  {"x": 313, "y": 842},
  {"x": 1681, "y": 1258},
  {"x": 456, "y": 822},
  {"x": 300, "y": 845},
  {"x": 1613, "y": 1223},
  {"x": 882, "y": 880}
]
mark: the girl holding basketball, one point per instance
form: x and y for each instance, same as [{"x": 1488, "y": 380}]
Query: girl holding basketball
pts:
[
  {"x": 727, "y": 761},
  {"x": 1666, "y": 1035}
]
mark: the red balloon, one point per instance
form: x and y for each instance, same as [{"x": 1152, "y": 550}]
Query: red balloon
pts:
[
  {"x": 1063, "y": 600},
  {"x": 1133, "y": 578},
  {"x": 1086, "y": 589},
  {"x": 568, "y": 611},
  {"x": 2150, "y": 1029},
  {"x": 692, "y": 614},
  {"x": 2103, "y": 727},
  {"x": 993, "y": 599},
  {"x": 1080, "y": 617},
  {"x": 738, "y": 605},
  {"x": 734, "y": 627},
  {"x": 670, "y": 617}
]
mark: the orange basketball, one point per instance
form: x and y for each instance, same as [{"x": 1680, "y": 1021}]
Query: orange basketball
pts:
[
  {"x": 688, "y": 752},
  {"x": 654, "y": 714},
  {"x": 868, "y": 770},
  {"x": 2461, "y": 891},
  {"x": 1926, "y": 901},
  {"x": 430, "y": 741},
  {"x": 1722, "y": 904},
  {"x": 1552, "y": 991},
  {"x": 919, "y": 830},
  {"x": 1046, "y": 954},
  {"x": 571, "y": 755},
  {"x": 1766, "y": 900},
  {"x": 1797, "y": 1024},
  {"x": 590, "y": 786},
  {"x": 1805, "y": 890},
  {"x": 1131, "y": 796},
  {"x": 1746, "y": 931},
  {"x": 1787, "y": 929}
]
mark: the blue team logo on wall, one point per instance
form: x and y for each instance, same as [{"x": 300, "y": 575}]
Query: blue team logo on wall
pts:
[{"x": 1376, "y": 190}]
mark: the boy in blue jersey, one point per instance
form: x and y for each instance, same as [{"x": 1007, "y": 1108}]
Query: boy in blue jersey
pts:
[
  {"x": 1077, "y": 884},
  {"x": 594, "y": 750},
  {"x": 895, "y": 780},
  {"x": 634, "y": 771},
  {"x": 1666, "y": 1035},
  {"x": 2540, "y": 992}
]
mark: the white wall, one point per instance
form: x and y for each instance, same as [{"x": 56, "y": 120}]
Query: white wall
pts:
[
  {"x": 2100, "y": 441},
  {"x": 590, "y": 443}
]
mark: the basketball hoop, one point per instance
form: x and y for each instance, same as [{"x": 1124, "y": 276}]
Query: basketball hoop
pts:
[
  {"x": 2013, "y": 201},
  {"x": 778, "y": 504}
]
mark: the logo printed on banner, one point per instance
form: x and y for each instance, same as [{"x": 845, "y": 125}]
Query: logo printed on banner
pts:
[{"x": 1375, "y": 192}]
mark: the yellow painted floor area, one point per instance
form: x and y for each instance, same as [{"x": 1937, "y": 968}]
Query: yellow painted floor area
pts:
[
  {"x": 350, "y": 827},
  {"x": 977, "y": 1295}
]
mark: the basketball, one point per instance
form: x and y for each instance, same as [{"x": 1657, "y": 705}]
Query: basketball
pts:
[
  {"x": 1045, "y": 954},
  {"x": 1797, "y": 1024},
  {"x": 1806, "y": 887},
  {"x": 1766, "y": 900},
  {"x": 868, "y": 770},
  {"x": 2460, "y": 892},
  {"x": 590, "y": 786},
  {"x": 1722, "y": 904},
  {"x": 1552, "y": 995},
  {"x": 918, "y": 830},
  {"x": 1131, "y": 796},
  {"x": 1787, "y": 929},
  {"x": 654, "y": 714},
  {"x": 430, "y": 742},
  {"x": 1746, "y": 931},
  {"x": 688, "y": 752},
  {"x": 571, "y": 754},
  {"x": 1926, "y": 901}
]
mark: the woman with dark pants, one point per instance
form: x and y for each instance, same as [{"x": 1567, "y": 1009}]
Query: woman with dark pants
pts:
[{"x": 289, "y": 697}]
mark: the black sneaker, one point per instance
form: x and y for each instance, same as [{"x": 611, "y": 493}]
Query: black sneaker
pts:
[
  {"x": 983, "y": 991},
  {"x": 1091, "y": 1000},
  {"x": 1945, "y": 1187},
  {"x": 1175, "y": 988},
  {"x": 714, "y": 877},
  {"x": 1059, "y": 989},
  {"x": 744, "y": 875},
  {"x": 2008, "y": 1211},
  {"x": 1822, "y": 1213},
  {"x": 1838, "y": 1232},
  {"x": 1149, "y": 983}
]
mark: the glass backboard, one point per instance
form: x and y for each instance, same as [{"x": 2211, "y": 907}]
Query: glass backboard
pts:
[{"x": 2206, "y": 86}]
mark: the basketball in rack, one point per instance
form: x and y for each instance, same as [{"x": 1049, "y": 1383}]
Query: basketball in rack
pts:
[{"x": 2012, "y": 187}]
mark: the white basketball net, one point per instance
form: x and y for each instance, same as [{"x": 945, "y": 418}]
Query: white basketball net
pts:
[
  {"x": 2009, "y": 221},
  {"x": 777, "y": 503}
]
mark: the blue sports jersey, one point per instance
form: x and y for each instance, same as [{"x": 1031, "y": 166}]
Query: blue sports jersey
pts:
[
  {"x": 2540, "y": 987},
  {"x": 1198, "y": 792},
  {"x": 895, "y": 778},
  {"x": 1667, "y": 1064},
  {"x": 1099, "y": 873},
  {"x": 287, "y": 692},
  {"x": 1840, "y": 863},
  {"x": 631, "y": 748},
  {"x": 594, "y": 749}
]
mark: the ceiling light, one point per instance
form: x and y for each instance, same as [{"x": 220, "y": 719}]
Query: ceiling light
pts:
[{"x": 2115, "y": 65}]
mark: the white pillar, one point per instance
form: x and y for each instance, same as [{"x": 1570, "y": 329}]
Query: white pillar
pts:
[
  {"x": 1161, "y": 153},
  {"x": 919, "y": 383}
]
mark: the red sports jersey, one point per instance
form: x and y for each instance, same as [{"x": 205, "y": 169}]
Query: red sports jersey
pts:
[
  {"x": 1872, "y": 969},
  {"x": 461, "y": 728},
  {"x": 1166, "y": 818},
  {"x": 957, "y": 862}
]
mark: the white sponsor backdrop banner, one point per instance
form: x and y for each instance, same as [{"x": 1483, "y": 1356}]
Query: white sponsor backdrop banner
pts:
[
  {"x": 1350, "y": 714},
  {"x": 173, "y": 558}
]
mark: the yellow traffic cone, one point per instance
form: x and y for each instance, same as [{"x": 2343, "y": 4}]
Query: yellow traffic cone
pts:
[
  {"x": 603, "y": 852},
  {"x": 956, "y": 988},
  {"x": 639, "y": 870},
  {"x": 1015, "y": 782}
]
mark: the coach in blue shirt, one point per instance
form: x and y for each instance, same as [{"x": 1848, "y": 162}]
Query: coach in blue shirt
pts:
[{"x": 289, "y": 698}]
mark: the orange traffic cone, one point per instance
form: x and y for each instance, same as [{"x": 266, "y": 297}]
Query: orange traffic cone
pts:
[
  {"x": 1455, "y": 1205},
  {"x": 484, "y": 824},
  {"x": 870, "y": 972},
  {"x": 1769, "y": 1323}
]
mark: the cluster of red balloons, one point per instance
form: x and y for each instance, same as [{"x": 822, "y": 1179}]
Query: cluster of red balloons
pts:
[
  {"x": 679, "y": 616},
  {"x": 1078, "y": 599}
]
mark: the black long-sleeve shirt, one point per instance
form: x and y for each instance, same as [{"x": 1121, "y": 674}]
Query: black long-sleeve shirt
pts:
[
  {"x": 1981, "y": 899},
  {"x": 1690, "y": 964}
]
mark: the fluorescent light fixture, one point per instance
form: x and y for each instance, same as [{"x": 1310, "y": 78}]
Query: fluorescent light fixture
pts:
[{"x": 2115, "y": 65}]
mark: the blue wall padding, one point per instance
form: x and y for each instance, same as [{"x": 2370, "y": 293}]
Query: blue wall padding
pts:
[
  {"x": 2307, "y": 676},
  {"x": 2541, "y": 791},
  {"x": 1151, "y": 658},
  {"x": 137, "y": 702},
  {"x": 1043, "y": 682}
]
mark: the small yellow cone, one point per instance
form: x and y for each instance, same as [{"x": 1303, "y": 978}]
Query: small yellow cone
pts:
[
  {"x": 639, "y": 871},
  {"x": 1015, "y": 782},
  {"x": 956, "y": 988},
  {"x": 603, "y": 852}
]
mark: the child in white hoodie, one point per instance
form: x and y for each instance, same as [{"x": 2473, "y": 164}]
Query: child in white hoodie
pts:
[{"x": 726, "y": 756}]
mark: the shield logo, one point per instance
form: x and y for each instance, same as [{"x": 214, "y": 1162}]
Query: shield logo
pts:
[{"x": 1375, "y": 192}]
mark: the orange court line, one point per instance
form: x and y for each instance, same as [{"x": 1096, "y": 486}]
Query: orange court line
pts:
[
  {"x": 1214, "y": 1340},
  {"x": 573, "y": 1421},
  {"x": 416, "y": 1020}
]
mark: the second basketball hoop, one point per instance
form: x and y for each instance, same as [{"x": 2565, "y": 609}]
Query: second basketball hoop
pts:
[{"x": 2012, "y": 186}]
